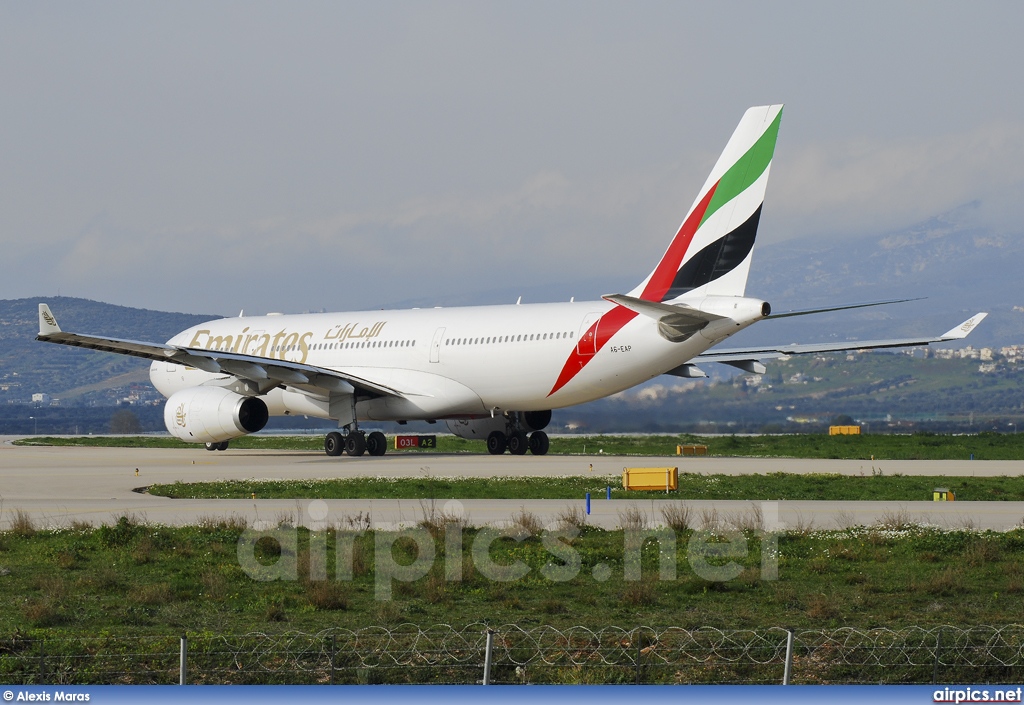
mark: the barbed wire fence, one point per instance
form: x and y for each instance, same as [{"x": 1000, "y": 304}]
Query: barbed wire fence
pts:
[{"x": 508, "y": 654}]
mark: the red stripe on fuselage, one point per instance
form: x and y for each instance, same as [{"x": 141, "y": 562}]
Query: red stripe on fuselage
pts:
[
  {"x": 608, "y": 325},
  {"x": 612, "y": 322},
  {"x": 668, "y": 267}
]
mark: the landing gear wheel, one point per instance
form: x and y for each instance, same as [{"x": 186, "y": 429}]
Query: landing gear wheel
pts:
[
  {"x": 212, "y": 446},
  {"x": 223, "y": 445},
  {"x": 496, "y": 443},
  {"x": 539, "y": 443},
  {"x": 376, "y": 443},
  {"x": 517, "y": 443},
  {"x": 355, "y": 444},
  {"x": 334, "y": 444}
]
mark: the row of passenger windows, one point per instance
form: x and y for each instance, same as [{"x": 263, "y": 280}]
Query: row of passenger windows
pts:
[
  {"x": 508, "y": 338},
  {"x": 365, "y": 344}
]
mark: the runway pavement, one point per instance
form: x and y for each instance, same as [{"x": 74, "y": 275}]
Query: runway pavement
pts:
[{"x": 59, "y": 485}]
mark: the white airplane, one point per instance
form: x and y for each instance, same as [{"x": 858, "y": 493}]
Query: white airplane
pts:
[{"x": 491, "y": 372}]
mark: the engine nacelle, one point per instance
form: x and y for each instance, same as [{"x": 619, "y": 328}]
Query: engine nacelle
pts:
[
  {"x": 479, "y": 429},
  {"x": 213, "y": 414}
]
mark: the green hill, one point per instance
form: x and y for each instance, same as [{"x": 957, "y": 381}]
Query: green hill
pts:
[
  {"x": 28, "y": 367},
  {"x": 886, "y": 391}
]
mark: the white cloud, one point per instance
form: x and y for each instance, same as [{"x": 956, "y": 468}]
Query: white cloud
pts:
[{"x": 870, "y": 186}]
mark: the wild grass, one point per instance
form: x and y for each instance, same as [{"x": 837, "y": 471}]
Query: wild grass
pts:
[
  {"x": 754, "y": 488},
  {"x": 22, "y": 524},
  {"x": 750, "y": 520},
  {"x": 632, "y": 518},
  {"x": 868, "y": 447},
  {"x": 127, "y": 577},
  {"x": 327, "y": 595},
  {"x": 678, "y": 516},
  {"x": 571, "y": 515},
  {"x": 528, "y": 521}
]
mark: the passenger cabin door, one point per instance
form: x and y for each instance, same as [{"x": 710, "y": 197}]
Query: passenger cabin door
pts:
[
  {"x": 435, "y": 345},
  {"x": 586, "y": 341}
]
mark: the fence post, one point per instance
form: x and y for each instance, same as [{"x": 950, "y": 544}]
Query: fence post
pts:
[
  {"x": 42, "y": 662},
  {"x": 788, "y": 672},
  {"x": 333, "y": 647},
  {"x": 488, "y": 655},
  {"x": 183, "y": 661},
  {"x": 639, "y": 647},
  {"x": 935, "y": 668}
]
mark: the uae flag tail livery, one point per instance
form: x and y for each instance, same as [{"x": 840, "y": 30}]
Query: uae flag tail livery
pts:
[
  {"x": 699, "y": 283},
  {"x": 711, "y": 251}
]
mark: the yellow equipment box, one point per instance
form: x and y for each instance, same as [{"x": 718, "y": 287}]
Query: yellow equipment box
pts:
[
  {"x": 691, "y": 450},
  {"x": 942, "y": 494},
  {"x": 844, "y": 430},
  {"x": 650, "y": 479}
]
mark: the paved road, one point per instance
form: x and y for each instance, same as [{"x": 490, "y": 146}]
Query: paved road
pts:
[{"x": 59, "y": 485}]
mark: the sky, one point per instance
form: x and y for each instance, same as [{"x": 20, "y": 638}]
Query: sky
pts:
[{"x": 211, "y": 156}]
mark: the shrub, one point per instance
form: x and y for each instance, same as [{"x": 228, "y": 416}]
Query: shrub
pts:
[
  {"x": 633, "y": 518},
  {"x": 640, "y": 594},
  {"x": 155, "y": 594},
  {"x": 22, "y": 524},
  {"x": 126, "y": 530},
  {"x": 326, "y": 595},
  {"x": 678, "y": 516},
  {"x": 529, "y": 522}
]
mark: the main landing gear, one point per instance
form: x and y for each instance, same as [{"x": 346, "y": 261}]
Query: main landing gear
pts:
[
  {"x": 223, "y": 445},
  {"x": 355, "y": 443},
  {"x": 517, "y": 443}
]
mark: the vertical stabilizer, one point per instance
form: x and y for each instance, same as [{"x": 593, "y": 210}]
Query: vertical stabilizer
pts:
[{"x": 711, "y": 251}]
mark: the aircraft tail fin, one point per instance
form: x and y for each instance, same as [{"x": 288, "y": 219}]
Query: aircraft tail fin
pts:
[{"x": 712, "y": 249}]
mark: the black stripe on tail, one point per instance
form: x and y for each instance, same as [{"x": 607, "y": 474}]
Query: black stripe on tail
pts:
[{"x": 717, "y": 259}]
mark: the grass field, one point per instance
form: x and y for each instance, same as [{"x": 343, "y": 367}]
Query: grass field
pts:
[
  {"x": 919, "y": 446},
  {"x": 772, "y": 486},
  {"x": 131, "y": 578}
]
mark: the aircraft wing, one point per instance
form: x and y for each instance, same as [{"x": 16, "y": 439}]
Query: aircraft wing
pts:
[
  {"x": 260, "y": 370},
  {"x": 754, "y": 354}
]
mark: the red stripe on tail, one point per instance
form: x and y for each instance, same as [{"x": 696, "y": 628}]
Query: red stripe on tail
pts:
[{"x": 668, "y": 267}]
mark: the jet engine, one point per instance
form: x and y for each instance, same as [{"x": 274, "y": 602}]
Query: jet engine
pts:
[
  {"x": 479, "y": 429},
  {"x": 213, "y": 414}
]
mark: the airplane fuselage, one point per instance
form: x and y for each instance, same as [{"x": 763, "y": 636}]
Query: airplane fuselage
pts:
[{"x": 456, "y": 362}]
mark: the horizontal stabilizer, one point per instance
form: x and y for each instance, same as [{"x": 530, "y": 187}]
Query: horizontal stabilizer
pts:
[
  {"x": 662, "y": 312},
  {"x": 675, "y": 322}
]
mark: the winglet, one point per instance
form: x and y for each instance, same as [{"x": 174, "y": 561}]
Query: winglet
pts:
[
  {"x": 962, "y": 330},
  {"x": 47, "y": 323}
]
